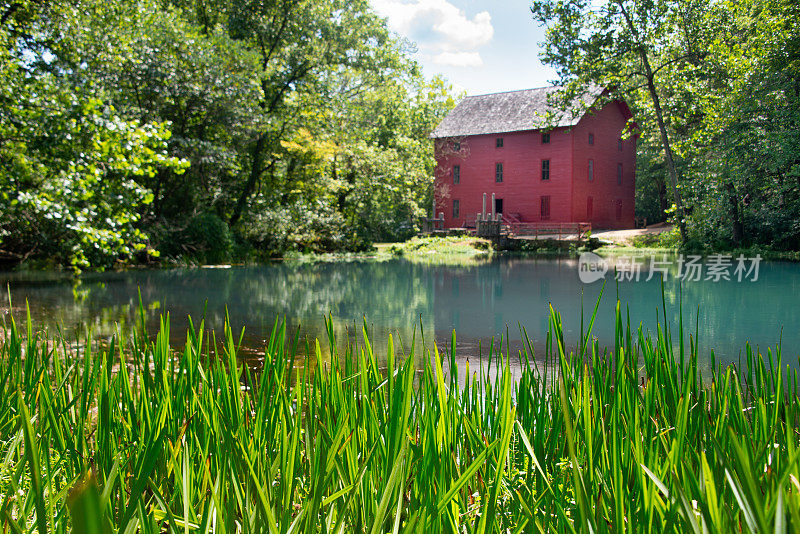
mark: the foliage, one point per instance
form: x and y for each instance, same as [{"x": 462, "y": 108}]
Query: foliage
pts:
[
  {"x": 622, "y": 45},
  {"x": 204, "y": 237},
  {"x": 443, "y": 250},
  {"x": 144, "y": 439},
  {"x": 714, "y": 89},
  {"x": 745, "y": 180},
  {"x": 308, "y": 114},
  {"x": 71, "y": 166},
  {"x": 670, "y": 239}
]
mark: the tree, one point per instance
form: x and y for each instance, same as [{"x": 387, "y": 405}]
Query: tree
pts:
[
  {"x": 69, "y": 163},
  {"x": 209, "y": 128},
  {"x": 156, "y": 65},
  {"x": 304, "y": 47},
  {"x": 624, "y": 45},
  {"x": 746, "y": 143}
]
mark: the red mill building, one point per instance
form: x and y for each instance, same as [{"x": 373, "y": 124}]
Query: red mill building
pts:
[{"x": 580, "y": 170}]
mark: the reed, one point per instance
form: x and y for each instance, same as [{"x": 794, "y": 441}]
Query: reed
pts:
[{"x": 143, "y": 437}]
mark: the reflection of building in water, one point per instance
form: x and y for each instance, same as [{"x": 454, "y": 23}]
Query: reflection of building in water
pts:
[
  {"x": 498, "y": 298},
  {"x": 406, "y": 299}
]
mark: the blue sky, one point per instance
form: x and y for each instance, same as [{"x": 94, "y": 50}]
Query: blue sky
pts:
[{"x": 480, "y": 46}]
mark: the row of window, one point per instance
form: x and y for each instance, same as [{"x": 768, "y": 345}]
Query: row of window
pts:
[
  {"x": 545, "y": 140},
  {"x": 544, "y": 208},
  {"x": 498, "y": 172},
  {"x": 499, "y": 141},
  {"x": 590, "y": 172}
]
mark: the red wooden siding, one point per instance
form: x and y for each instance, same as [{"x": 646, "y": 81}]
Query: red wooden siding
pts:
[
  {"x": 522, "y": 188},
  {"x": 606, "y": 126}
]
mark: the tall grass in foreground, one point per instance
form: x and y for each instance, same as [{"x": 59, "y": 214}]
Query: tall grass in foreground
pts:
[{"x": 144, "y": 438}]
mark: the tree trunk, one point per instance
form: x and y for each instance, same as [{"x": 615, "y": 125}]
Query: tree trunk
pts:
[
  {"x": 737, "y": 226},
  {"x": 668, "y": 157},
  {"x": 252, "y": 180},
  {"x": 662, "y": 128}
]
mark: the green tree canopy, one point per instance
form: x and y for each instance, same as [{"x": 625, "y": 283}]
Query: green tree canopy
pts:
[
  {"x": 177, "y": 126},
  {"x": 714, "y": 89}
]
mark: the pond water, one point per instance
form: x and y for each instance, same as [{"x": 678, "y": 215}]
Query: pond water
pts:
[{"x": 480, "y": 301}]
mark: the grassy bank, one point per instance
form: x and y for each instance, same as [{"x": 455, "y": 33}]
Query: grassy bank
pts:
[
  {"x": 439, "y": 250},
  {"x": 669, "y": 242},
  {"x": 766, "y": 254},
  {"x": 188, "y": 440},
  {"x": 466, "y": 249}
]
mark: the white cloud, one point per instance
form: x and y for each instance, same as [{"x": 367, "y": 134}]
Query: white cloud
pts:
[
  {"x": 439, "y": 28},
  {"x": 458, "y": 59}
]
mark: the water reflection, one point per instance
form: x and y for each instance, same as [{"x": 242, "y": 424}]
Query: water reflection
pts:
[{"x": 403, "y": 298}]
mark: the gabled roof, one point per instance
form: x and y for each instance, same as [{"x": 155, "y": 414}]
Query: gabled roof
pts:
[{"x": 513, "y": 111}]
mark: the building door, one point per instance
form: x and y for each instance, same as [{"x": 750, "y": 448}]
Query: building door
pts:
[
  {"x": 589, "y": 209},
  {"x": 544, "y": 208},
  {"x": 498, "y": 205}
]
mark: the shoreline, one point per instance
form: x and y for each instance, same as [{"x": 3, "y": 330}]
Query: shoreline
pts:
[{"x": 455, "y": 250}]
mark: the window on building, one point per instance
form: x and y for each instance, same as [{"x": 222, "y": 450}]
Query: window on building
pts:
[
  {"x": 545, "y": 138},
  {"x": 498, "y": 172},
  {"x": 456, "y": 146},
  {"x": 499, "y": 142},
  {"x": 456, "y": 174},
  {"x": 619, "y": 173},
  {"x": 619, "y": 144},
  {"x": 456, "y": 208},
  {"x": 619, "y": 210},
  {"x": 545, "y": 207},
  {"x": 590, "y": 170},
  {"x": 589, "y": 209},
  {"x": 591, "y": 138},
  {"x": 545, "y": 169}
]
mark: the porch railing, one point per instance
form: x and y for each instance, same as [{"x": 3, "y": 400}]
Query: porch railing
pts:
[{"x": 540, "y": 230}]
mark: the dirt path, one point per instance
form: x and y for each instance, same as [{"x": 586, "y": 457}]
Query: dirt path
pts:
[{"x": 624, "y": 237}]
